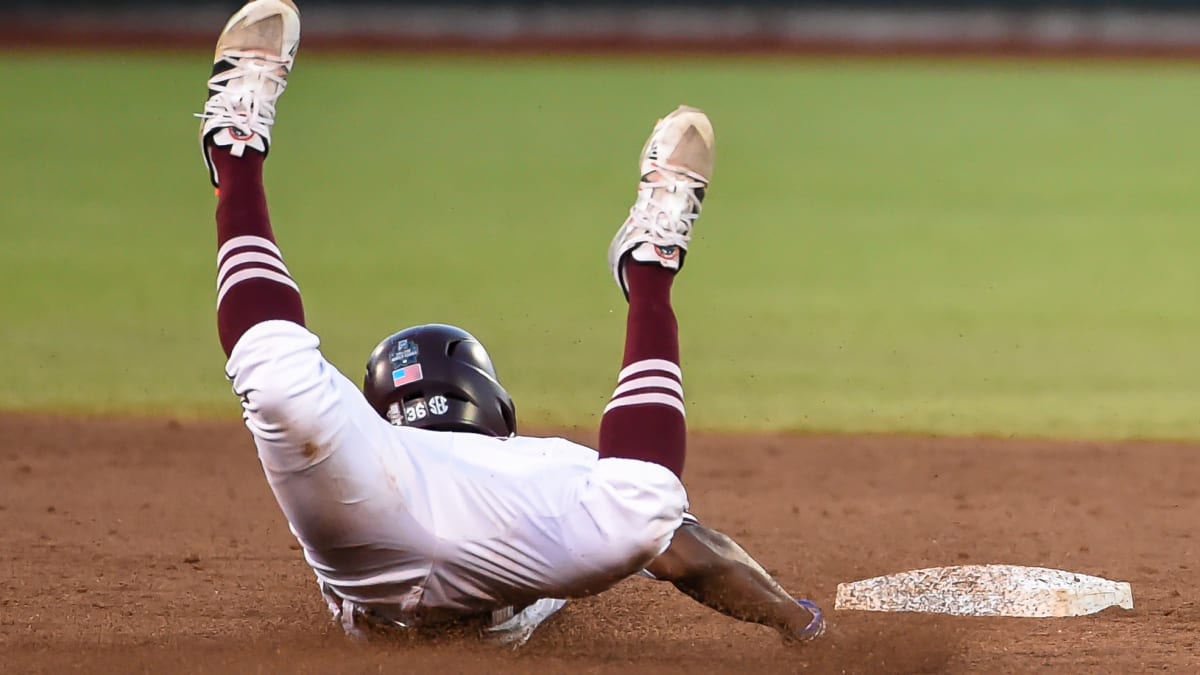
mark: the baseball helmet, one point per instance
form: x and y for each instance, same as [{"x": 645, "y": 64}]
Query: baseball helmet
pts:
[{"x": 438, "y": 377}]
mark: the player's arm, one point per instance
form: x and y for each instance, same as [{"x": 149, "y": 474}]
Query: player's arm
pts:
[{"x": 713, "y": 569}]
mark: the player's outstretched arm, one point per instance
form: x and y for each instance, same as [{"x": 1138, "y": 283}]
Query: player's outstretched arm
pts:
[{"x": 713, "y": 569}]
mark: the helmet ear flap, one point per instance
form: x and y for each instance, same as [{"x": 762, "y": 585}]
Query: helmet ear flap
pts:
[{"x": 508, "y": 410}]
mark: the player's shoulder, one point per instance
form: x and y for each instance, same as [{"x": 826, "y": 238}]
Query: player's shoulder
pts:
[
  {"x": 543, "y": 441},
  {"x": 555, "y": 445},
  {"x": 497, "y": 452}
]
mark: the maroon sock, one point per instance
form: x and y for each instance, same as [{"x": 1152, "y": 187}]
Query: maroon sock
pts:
[
  {"x": 253, "y": 285},
  {"x": 645, "y": 418}
]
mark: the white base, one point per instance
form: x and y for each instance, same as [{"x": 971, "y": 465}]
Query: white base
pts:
[{"x": 986, "y": 590}]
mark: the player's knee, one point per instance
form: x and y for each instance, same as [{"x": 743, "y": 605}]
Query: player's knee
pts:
[
  {"x": 293, "y": 402},
  {"x": 648, "y": 504},
  {"x": 280, "y": 375},
  {"x": 276, "y": 403}
]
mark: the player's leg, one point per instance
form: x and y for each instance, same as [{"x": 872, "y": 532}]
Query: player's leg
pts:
[
  {"x": 253, "y": 59},
  {"x": 633, "y": 502},
  {"x": 325, "y": 452},
  {"x": 645, "y": 419}
]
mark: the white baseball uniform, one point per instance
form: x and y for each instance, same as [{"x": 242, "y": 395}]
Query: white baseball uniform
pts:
[{"x": 418, "y": 527}]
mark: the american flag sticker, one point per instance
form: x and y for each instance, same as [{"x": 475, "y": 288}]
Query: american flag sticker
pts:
[{"x": 406, "y": 375}]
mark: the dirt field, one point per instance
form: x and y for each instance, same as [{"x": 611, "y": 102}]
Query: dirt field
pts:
[{"x": 155, "y": 546}]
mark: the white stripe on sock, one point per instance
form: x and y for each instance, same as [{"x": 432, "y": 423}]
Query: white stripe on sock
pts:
[
  {"x": 650, "y": 364},
  {"x": 647, "y": 399},
  {"x": 253, "y": 273},
  {"x": 647, "y": 383},
  {"x": 249, "y": 257},
  {"x": 247, "y": 240}
]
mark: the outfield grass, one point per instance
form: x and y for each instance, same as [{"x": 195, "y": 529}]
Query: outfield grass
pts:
[{"x": 998, "y": 248}]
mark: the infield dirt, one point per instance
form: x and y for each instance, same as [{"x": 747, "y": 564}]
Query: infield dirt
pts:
[{"x": 155, "y": 546}]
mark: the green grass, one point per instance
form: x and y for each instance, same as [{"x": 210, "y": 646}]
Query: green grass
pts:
[{"x": 997, "y": 248}]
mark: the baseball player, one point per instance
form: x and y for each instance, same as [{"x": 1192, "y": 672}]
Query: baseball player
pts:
[{"x": 414, "y": 500}]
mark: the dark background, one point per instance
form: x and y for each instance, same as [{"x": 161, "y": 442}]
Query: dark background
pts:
[
  {"x": 1120, "y": 28},
  {"x": 1155, "y": 5}
]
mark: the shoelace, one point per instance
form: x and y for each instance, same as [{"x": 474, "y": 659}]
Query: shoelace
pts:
[
  {"x": 243, "y": 97},
  {"x": 670, "y": 217}
]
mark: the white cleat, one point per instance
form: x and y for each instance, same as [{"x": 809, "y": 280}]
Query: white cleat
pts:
[
  {"x": 676, "y": 166},
  {"x": 514, "y": 630},
  {"x": 254, "y": 55}
]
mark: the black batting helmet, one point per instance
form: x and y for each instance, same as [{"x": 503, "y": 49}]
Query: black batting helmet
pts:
[{"x": 438, "y": 377}]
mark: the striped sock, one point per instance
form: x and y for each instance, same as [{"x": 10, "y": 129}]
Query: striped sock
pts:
[
  {"x": 646, "y": 419},
  {"x": 253, "y": 284},
  {"x": 650, "y": 381}
]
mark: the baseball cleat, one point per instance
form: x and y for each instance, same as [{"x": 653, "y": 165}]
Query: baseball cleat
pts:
[
  {"x": 514, "y": 630},
  {"x": 254, "y": 55},
  {"x": 676, "y": 166},
  {"x": 816, "y": 627}
]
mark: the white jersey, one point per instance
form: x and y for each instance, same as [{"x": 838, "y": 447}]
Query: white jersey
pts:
[{"x": 417, "y": 526}]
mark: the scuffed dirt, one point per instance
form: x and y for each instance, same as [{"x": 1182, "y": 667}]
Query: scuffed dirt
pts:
[{"x": 155, "y": 546}]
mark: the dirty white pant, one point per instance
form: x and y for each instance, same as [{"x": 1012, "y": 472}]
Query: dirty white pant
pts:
[{"x": 421, "y": 526}]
